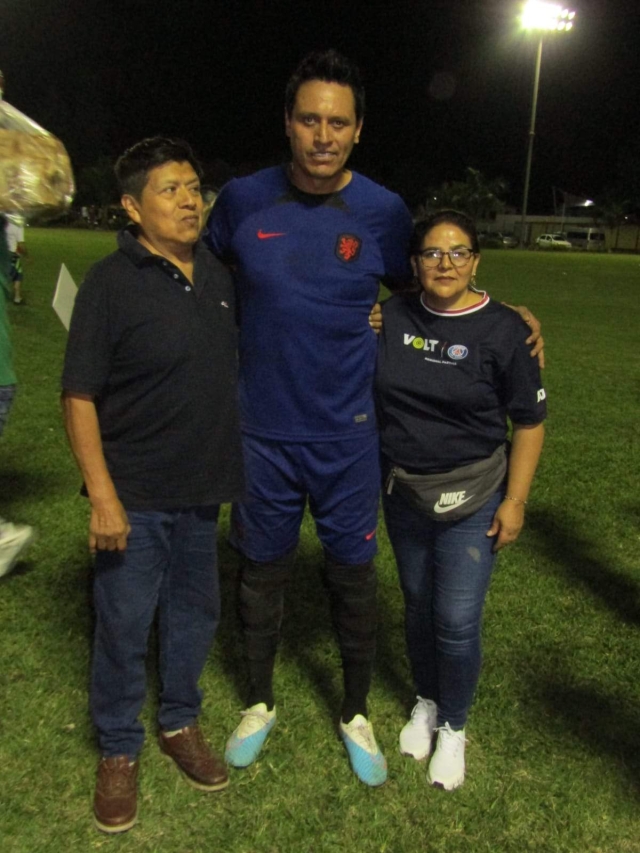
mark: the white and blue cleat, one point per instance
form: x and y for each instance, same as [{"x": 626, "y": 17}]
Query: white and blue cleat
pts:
[
  {"x": 367, "y": 762},
  {"x": 246, "y": 742}
]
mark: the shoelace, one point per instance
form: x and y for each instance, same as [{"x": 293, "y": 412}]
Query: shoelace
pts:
[
  {"x": 253, "y": 720},
  {"x": 119, "y": 780},
  {"x": 450, "y": 741},
  {"x": 193, "y": 744},
  {"x": 363, "y": 735},
  {"x": 420, "y": 713}
]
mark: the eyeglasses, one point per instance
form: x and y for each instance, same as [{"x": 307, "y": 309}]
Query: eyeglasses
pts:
[{"x": 459, "y": 257}]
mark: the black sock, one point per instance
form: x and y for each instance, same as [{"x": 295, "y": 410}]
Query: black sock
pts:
[
  {"x": 261, "y": 607},
  {"x": 352, "y": 592},
  {"x": 261, "y": 683},
  {"x": 357, "y": 681}
]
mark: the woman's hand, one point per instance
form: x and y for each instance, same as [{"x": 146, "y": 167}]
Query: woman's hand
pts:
[
  {"x": 375, "y": 318},
  {"x": 526, "y": 445},
  {"x": 507, "y": 523}
]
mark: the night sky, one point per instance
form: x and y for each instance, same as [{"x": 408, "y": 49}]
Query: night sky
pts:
[{"x": 449, "y": 85}]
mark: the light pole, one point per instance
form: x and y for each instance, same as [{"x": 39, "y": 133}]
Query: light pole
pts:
[{"x": 540, "y": 17}]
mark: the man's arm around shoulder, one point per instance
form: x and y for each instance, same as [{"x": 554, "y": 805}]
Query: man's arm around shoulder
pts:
[{"x": 109, "y": 526}]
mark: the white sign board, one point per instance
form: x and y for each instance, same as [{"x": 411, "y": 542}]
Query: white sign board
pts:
[{"x": 64, "y": 296}]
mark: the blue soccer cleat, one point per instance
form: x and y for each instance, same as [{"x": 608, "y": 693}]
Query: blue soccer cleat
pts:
[
  {"x": 367, "y": 762},
  {"x": 244, "y": 745}
]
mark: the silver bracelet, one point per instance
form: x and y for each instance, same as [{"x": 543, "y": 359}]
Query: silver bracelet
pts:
[{"x": 517, "y": 500}]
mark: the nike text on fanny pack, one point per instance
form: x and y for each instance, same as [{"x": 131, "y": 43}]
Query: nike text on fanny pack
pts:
[{"x": 450, "y": 500}]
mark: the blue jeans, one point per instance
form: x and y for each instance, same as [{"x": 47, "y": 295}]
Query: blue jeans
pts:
[
  {"x": 445, "y": 569},
  {"x": 7, "y": 393},
  {"x": 170, "y": 566}
]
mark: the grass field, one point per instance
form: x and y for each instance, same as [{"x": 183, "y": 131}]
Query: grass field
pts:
[{"x": 554, "y": 735}]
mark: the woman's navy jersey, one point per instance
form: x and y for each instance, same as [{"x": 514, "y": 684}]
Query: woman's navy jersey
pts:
[
  {"x": 308, "y": 270},
  {"x": 447, "y": 381}
]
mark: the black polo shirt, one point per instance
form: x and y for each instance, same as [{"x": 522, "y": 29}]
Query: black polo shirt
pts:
[{"x": 159, "y": 355}]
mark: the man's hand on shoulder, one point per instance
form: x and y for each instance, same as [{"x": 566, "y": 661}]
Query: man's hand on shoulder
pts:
[
  {"x": 109, "y": 526},
  {"x": 535, "y": 339}
]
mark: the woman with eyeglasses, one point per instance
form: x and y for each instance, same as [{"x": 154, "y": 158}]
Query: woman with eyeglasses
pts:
[{"x": 453, "y": 371}]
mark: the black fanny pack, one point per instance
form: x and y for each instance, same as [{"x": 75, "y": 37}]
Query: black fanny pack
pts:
[{"x": 455, "y": 494}]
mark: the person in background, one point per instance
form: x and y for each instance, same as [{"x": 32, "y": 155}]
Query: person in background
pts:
[
  {"x": 150, "y": 405},
  {"x": 453, "y": 370},
  {"x": 14, "y": 538},
  {"x": 18, "y": 251}
]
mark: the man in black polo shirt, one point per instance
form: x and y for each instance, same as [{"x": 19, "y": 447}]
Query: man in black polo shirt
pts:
[{"x": 149, "y": 396}]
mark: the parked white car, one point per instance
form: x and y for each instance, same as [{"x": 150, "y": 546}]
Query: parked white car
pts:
[
  {"x": 509, "y": 241},
  {"x": 553, "y": 241}
]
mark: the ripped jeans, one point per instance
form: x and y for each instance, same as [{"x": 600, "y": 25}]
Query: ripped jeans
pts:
[{"x": 445, "y": 569}]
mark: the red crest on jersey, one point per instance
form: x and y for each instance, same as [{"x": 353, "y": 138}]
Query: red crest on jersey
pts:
[{"x": 348, "y": 247}]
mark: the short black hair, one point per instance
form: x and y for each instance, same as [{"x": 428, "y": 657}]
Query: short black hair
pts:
[
  {"x": 452, "y": 217},
  {"x": 133, "y": 167},
  {"x": 331, "y": 66}
]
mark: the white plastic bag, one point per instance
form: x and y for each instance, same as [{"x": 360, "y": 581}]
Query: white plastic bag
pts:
[{"x": 35, "y": 170}]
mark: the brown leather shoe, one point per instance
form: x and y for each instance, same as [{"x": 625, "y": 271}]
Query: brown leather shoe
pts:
[
  {"x": 115, "y": 807},
  {"x": 201, "y": 766}
]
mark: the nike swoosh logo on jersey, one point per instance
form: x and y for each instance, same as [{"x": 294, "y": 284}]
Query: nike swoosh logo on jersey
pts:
[
  {"x": 440, "y": 509},
  {"x": 266, "y": 235}
]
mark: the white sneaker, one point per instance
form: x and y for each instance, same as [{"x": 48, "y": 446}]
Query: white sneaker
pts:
[
  {"x": 446, "y": 768},
  {"x": 416, "y": 737},
  {"x": 14, "y": 538}
]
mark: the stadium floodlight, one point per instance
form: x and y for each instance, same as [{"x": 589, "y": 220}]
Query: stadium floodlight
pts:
[
  {"x": 537, "y": 15},
  {"x": 543, "y": 18}
]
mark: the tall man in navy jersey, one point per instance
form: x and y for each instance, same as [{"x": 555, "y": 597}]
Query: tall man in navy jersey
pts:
[{"x": 310, "y": 244}]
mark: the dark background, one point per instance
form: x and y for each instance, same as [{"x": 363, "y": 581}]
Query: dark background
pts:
[{"x": 449, "y": 84}]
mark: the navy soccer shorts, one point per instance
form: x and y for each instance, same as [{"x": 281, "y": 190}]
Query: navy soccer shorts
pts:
[{"x": 340, "y": 479}]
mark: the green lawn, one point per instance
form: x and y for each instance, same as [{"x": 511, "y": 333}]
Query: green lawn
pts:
[{"x": 554, "y": 743}]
